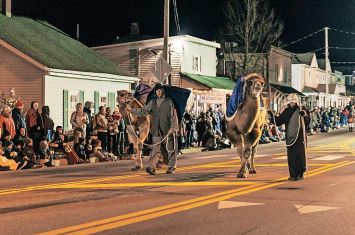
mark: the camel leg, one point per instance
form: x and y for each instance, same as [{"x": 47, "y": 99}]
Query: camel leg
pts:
[
  {"x": 252, "y": 169},
  {"x": 137, "y": 153},
  {"x": 250, "y": 140},
  {"x": 240, "y": 149},
  {"x": 256, "y": 137}
]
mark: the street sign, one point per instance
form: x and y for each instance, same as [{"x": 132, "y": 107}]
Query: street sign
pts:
[{"x": 161, "y": 69}]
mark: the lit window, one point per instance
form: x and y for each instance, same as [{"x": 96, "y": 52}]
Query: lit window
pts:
[{"x": 196, "y": 63}]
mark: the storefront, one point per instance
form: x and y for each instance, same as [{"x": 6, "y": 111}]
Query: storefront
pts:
[
  {"x": 201, "y": 101},
  {"x": 207, "y": 92}
]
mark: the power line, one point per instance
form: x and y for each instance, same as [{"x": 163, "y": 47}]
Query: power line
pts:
[
  {"x": 343, "y": 62},
  {"x": 314, "y": 51},
  {"x": 342, "y": 31},
  {"x": 177, "y": 21},
  {"x": 342, "y": 48},
  {"x": 303, "y": 38}
]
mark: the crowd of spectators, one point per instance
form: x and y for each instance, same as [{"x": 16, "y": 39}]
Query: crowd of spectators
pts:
[
  {"x": 31, "y": 140},
  {"x": 208, "y": 129}
]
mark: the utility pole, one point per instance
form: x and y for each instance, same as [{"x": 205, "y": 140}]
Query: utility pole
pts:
[
  {"x": 327, "y": 67},
  {"x": 77, "y": 31},
  {"x": 166, "y": 31}
]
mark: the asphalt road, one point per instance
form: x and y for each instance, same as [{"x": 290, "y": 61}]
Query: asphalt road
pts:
[{"x": 203, "y": 197}]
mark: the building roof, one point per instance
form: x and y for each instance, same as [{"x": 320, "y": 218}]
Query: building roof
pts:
[
  {"x": 133, "y": 38},
  {"x": 52, "y": 47},
  {"x": 321, "y": 88},
  {"x": 285, "y": 89},
  {"x": 303, "y": 58},
  {"x": 160, "y": 41},
  {"x": 211, "y": 82},
  {"x": 307, "y": 89}
]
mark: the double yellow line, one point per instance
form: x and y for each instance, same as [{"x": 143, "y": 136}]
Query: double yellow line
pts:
[
  {"x": 97, "y": 180},
  {"x": 139, "y": 216}
]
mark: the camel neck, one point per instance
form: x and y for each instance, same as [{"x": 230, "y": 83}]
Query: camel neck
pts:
[{"x": 252, "y": 104}]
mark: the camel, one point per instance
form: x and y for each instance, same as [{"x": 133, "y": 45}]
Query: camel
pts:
[
  {"x": 244, "y": 128},
  {"x": 137, "y": 127}
]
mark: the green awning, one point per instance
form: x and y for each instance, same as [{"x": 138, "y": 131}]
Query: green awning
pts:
[{"x": 210, "y": 81}]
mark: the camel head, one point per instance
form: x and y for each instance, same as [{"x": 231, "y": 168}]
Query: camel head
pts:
[
  {"x": 124, "y": 97},
  {"x": 254, "y": 85}
]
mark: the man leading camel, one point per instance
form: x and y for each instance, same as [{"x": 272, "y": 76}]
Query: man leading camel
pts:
[
  {"x": 296, "y": 119},
  {"x": 163, "y": 118}
]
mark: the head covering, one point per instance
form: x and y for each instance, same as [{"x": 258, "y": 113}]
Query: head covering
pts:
[
  {"x": 292, "y": 98},
  {"x": 159, "y": 86},
  {"x": 45, "y": 110},
  {"x": 19, "y": 104}
]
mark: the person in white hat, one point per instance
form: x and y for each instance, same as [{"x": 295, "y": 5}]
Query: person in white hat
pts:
[{"x": 295, "y": 119}]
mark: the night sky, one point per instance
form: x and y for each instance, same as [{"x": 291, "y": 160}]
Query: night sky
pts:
[{"x": 101, "y": 21}]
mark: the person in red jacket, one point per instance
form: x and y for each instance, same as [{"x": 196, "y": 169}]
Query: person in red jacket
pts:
[{"x": 6, "y": 121}]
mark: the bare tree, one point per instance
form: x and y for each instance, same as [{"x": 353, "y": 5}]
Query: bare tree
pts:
[{"x": 252, "y": 26}]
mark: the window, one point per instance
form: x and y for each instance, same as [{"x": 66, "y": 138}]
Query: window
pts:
[
  {"x": 103, "y": 101},
  {"x": 74, "y": 97},
  {"x": 276, "y": 71},
  {"x": 196, "y": 63},
  {"x": 285, "y": 74}
]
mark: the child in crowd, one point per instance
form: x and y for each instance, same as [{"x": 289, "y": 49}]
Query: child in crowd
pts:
[
  {"x": 44, "y": 153},
  {"x": 58, "y": 140},
  {"x": 97, "y": 151},
  {"x": 19, "y": 139},
  {"x": 29, "y": 155},
  {"x": 8, "y": 145},
  {"x": 79, "y": 148},
  {"x": 88, "y": 146}
]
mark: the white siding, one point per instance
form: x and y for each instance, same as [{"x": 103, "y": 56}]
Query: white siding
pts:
[
  {"x": 298, "y": 77},
  {"x": 55, "y": 85},
  {"x": 208, "y": 58}
]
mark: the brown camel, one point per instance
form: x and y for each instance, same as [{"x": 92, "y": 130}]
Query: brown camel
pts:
[
  {"x": 137, "y": 127},
  {"x": 245, "y": 126}
]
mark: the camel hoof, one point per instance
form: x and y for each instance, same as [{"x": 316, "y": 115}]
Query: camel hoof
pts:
[
  {"x": 241, "y": 176},
  {"x": 252, "y": 171},
  {"x": 137, "y": 168}
]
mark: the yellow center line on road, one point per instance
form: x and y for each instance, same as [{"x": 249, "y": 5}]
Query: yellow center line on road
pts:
[
  {"x": 178, "y": 184},
  {"x": 148, "y": 214},
  {"x": 48, "y": 186},
  {"x": 265, "y": 165},
  {"x": 155, "y": 184},
  {"x": 87, "y": 181}
]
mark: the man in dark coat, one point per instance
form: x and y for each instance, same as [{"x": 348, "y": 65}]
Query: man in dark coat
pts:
[
  {"x": 18, "y": 117},
  {"x": 163, "y": 120},
  {"x": 296, "y": 119}
]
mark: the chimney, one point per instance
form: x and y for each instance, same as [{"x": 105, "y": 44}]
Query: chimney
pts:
[
  {"x": 77, "y": 31},
  {"x": 134, "y": 29},
  {"x": 6, "y": 7}
]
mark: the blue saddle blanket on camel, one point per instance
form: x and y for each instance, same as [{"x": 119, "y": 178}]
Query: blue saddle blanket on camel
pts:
[{"x": 237, "y": 97}]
